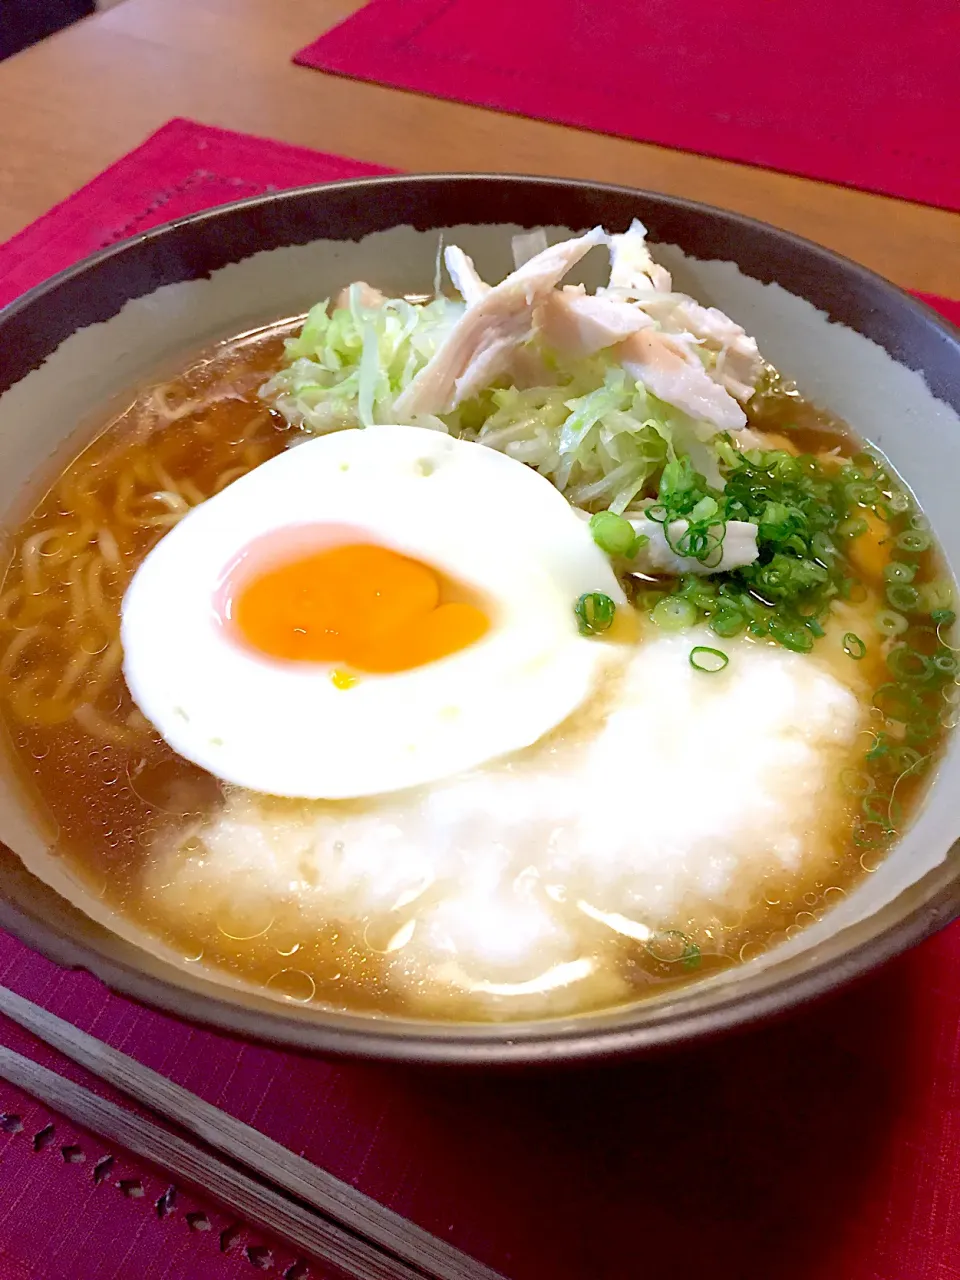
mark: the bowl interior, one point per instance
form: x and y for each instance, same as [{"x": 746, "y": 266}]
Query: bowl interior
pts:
[{"x": 853, "y": 343}]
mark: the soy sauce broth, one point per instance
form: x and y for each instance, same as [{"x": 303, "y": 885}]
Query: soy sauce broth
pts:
[{"x": 112, "y": 792}]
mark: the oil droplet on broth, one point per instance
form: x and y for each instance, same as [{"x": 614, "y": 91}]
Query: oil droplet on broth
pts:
[
  {"x": 292, "y": 984},
  {"x": 245, "y": 926},
  {"x": 171, "y": 787},
  {"x": 385, "y": 936},
  {"x": 870, "y": 859}
]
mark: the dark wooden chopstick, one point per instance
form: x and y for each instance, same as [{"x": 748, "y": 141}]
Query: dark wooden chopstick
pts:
[{"x": 270, "y": 1187}]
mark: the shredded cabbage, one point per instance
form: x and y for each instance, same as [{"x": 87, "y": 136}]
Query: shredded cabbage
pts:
[
  {"x": 597, "y": 434},
  {"x": 346, "y": 368}
]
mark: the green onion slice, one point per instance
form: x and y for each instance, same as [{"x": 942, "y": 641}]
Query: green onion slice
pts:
[
  {"x": 674, "y": 613},
  {"x": 907, "y": 664},
  {"x": 614, "y": 534},
  {"x": 890, "y": 623},
  {"x": 853, "y": 646},
  {"x": 672, "y": 946},
  {"x": 595, "y": 613},
  {"x": 703, "y": 658},
  {"x": 903, "y": 597},
  {"x": 852, "y": 528},
  {"x": 913, "y": 540},
  {"x": 896, "y": 701},
  {"x": 727, "y": 622},
  {"x": 897, "y": 571}
]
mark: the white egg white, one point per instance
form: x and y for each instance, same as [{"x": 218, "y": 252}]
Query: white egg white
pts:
[{"x": 286, "y": 729}]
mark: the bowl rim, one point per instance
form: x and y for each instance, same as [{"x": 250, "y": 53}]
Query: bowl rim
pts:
[{"x": 581, "y": 1038}]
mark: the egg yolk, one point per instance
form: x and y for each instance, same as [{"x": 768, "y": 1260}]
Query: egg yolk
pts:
[{"x": 359, "y": 604}]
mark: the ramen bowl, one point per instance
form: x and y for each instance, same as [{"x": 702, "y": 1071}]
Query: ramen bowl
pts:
[{"x": 73, "y": 349}]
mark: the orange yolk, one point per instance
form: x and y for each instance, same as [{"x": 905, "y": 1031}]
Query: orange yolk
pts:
[{"x": 359, "y": 604}]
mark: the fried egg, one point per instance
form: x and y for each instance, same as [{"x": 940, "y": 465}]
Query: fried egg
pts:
[{"x": 369, "y": 611}]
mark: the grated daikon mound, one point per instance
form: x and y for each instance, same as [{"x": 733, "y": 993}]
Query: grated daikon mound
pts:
[{"x": 681, "y": 800}]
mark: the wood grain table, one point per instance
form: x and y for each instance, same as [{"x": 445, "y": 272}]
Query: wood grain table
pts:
[{"x": 75, "y": 103}]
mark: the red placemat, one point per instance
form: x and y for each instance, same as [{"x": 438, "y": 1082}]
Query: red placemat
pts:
[
  {"x": 860, "y": 92},
  {"x": 181, "y": 169},
  {"x": 825, "y": 1148}
]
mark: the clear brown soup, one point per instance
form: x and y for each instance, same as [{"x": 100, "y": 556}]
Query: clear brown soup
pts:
[{"x": 109, "y": 788}]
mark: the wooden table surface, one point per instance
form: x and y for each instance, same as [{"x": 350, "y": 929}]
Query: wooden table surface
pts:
[{"x": 75, "y": 103}]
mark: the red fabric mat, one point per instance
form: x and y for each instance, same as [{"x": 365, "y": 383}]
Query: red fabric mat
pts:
[
  {"x": 860, "y": 92},
  {"x": 183, "y": 168},
  {"x": 825, "y": 1148}
]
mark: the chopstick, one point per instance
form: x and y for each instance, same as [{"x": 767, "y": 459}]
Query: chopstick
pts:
[
  {"x": 256, "y": 1203},
  {"x": 267, "y": 1184}
]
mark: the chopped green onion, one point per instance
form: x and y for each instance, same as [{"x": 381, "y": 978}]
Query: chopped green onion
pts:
[
  {"x": 674, "y": 613},
  {"x": 822, "y": 548},
  {"x": 897, "y": 571},
  {"x": 871, "y": 835},
  {"x": 727, "y": 622},
  {"x": 671, "y": 946},
  {"x": 920, "y": 729},
  {"x": 907, "y": 664},
  {"x": 913, "y": 540},
  {"x": 943, "y": 617},
  {"x": 903, "y": 597},
  {"x": 699, "y": 591},
  {"x": 880, "y": 748},
  {"x": 853, "y": 646},
  {"x": 897, "y": 502},
  {"x": 865, "y": 495},
  {"x": 703, "y": 658},
  {"x": 946, "y": 663},
  {"x": 857, "y": 781},
  {"x": 935, "y": 596},
  {"x": 615, "y": 535},
  {"x": 706, "y": 509},
  {"x": 866, "y": 465},
  {"x": 595, "y": 613},
  {"x": 796, "y": 638},
  {"x": 906, "y": 759},
  {"x": 852, "y": 528},
  {"x": 881, "y": 809},
  {"x": 896, "y": 701},
  {"x": 889, "y": 623}
]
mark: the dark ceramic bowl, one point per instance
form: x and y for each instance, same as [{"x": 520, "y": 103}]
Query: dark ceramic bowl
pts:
[{"x": 855, "y": 344}]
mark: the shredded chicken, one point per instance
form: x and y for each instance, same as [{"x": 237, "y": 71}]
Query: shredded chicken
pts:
[
  {"x": 575, "y": 323},
  {"x": 734, "y": 361},
  {"x": 633, "y": 272},
  {"x": 481, "y": 345},
  {"x": 656, "y": 556},
  {"x": 465, "y": 277},
  {"x": 668, "y": 365}
]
